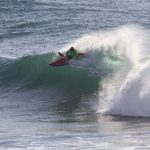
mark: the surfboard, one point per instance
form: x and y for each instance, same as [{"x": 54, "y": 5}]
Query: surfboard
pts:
[{"x": 63, "y": 60}]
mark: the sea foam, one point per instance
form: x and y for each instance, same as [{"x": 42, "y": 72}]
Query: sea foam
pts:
[{"x": 127, "y": 91}]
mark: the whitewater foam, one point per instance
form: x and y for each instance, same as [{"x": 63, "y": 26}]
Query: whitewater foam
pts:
[
  {"x": 126, "y": 90},
  {"x": 124, "y": 42},
  {"x": 128, "y": 93},
  {"x": 133, "y": 97}
]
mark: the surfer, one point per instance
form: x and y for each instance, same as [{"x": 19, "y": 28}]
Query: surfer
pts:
[{"x": 72, "y": 53}]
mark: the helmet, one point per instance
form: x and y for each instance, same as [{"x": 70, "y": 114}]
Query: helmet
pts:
[{"x": 72, "y": 48}]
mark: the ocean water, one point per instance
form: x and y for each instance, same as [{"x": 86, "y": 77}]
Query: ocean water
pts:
[{"x": 100, "y": 102}]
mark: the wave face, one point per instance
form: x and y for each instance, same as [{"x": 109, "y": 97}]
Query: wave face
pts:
[
  {"x": 116, "y": 65},
  {"x": 32, "y": 72}
]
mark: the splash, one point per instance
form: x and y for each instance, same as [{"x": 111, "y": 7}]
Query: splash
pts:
[
  {"x": 125, "y": 91},
  {"x": 124, "y": 42},
  {"x": 132, "y": 98}
]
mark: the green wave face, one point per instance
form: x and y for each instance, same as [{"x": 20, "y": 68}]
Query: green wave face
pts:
[{"x": 32, "y": 72}]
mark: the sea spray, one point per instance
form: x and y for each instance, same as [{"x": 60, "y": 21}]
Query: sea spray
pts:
[
  {"x": 111, "y": 52},
  {"x": 124, "y": 41},
  {"x": 125, "y": 82},
  {"x": 124, "y": 88},
  {"x": 128, "y": 93},
  {"x": 133, "y": 97}
]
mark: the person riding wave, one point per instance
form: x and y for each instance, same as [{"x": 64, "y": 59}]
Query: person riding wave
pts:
[{"x": 72, "y": 53}]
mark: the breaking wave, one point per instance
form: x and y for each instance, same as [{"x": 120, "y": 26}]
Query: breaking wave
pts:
[{"x": 116, "y": 64}]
